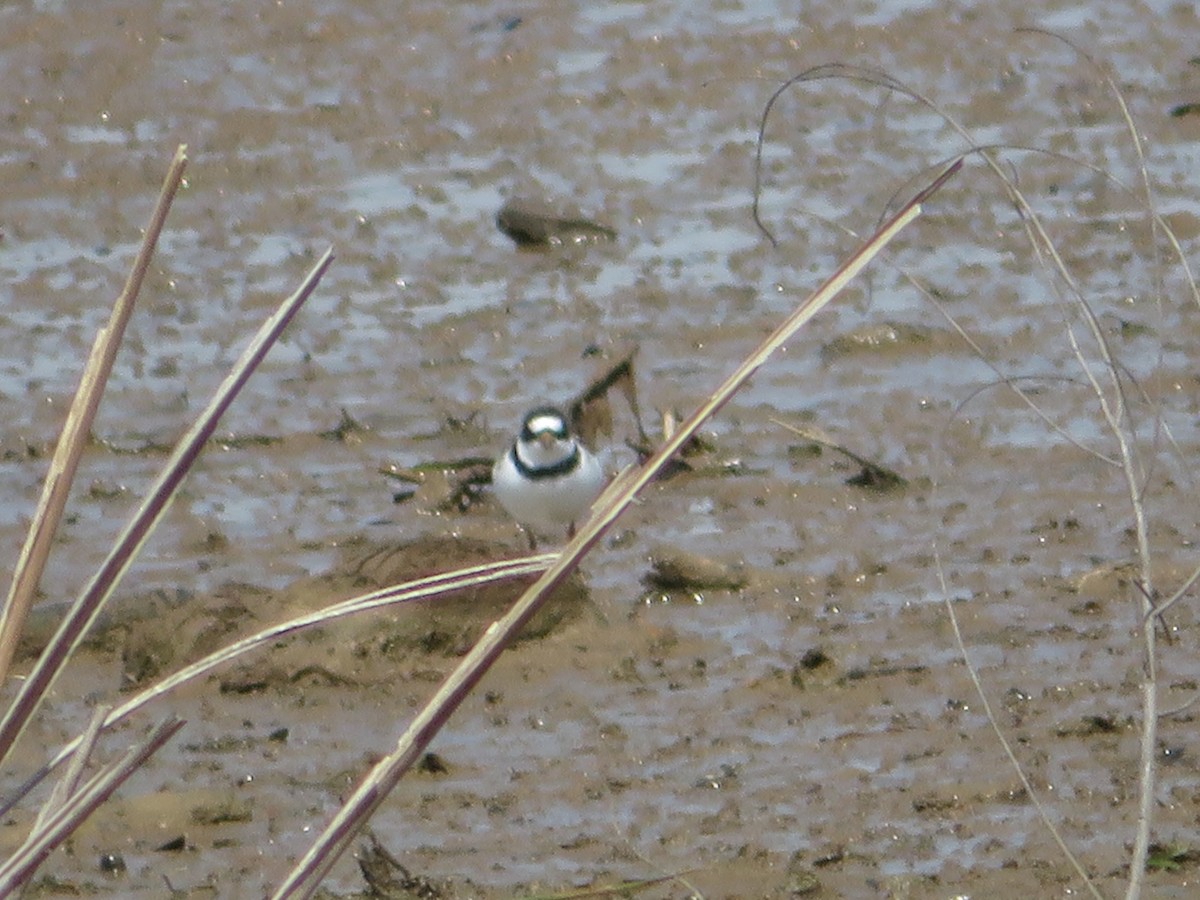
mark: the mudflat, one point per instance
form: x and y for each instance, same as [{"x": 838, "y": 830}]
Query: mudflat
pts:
[{"x": 786, "y": 711}]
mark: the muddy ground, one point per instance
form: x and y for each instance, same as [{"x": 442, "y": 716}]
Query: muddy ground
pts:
[{"x": 808, "y": 727}]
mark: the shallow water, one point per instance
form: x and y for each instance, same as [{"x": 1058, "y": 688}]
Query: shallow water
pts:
[{"x": 653, "y": 733}]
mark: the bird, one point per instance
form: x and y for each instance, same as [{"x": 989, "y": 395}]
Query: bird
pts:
[{"x": 546, "y": 480}]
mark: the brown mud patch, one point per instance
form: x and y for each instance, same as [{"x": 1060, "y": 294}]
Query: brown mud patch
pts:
[{"x": 155, "y": 637}]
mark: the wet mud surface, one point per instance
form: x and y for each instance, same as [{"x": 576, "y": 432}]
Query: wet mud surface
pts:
[{"x": 755, "y": 681}]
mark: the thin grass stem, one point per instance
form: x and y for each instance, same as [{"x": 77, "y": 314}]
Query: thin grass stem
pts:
[
  {"x": 1043, "y": 812},
  {"x": 67, "y": 785}
]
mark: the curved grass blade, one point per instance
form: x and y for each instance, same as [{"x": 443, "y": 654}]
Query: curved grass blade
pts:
[{"x": 419, "y": 589}]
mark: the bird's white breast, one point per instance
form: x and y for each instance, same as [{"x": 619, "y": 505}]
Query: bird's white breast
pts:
[{"x": 552, "y": 503}]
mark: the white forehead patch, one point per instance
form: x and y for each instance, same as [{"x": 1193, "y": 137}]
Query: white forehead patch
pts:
[{"x": 538, "y": 424}]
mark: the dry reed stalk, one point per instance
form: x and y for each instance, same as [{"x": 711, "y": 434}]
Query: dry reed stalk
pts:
[
  {"x": 63, "y": 821},
  {"x": 69, "y": 782},
  {"x": 375, "y": 787},
  {"x": 89, "y": 603},
  {"x": 1109, "y": 389},
  {"x": 1118, "y": 421},
  {"x": 32, "y": 561}
]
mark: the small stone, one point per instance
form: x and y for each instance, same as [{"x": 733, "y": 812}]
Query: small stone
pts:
[{"x": 672, "y": 569}]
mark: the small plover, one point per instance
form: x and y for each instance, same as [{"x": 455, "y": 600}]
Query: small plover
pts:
[{"x": 547, "y": 479}]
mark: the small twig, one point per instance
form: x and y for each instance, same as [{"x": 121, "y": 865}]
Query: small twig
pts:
[
  {"x": 879, "y": 475},
  {"x": 1181, "y": 708},
  {"x": 1161, "y": 608},
  {"x": 621, "y": 373}
]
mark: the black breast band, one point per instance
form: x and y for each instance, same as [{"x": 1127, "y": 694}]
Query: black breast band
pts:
[{"x": 565, "y": 467}]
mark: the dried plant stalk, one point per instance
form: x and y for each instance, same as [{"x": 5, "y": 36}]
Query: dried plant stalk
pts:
[
  {"x": 63, "y": 821},
  {"x": 32, "y": 561},
  {"x": 85, "y": 609},
  {"x": 341, "y": 831}
]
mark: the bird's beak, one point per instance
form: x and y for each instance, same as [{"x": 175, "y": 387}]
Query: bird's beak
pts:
[{"x": 546, "y": 439}]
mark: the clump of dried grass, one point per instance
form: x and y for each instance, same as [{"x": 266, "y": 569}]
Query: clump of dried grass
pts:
[{"x": 1137, "y": 442}]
